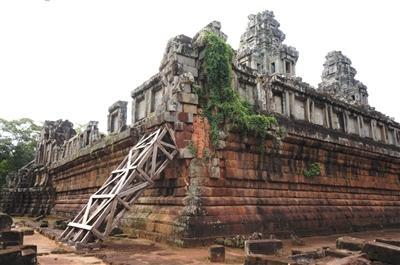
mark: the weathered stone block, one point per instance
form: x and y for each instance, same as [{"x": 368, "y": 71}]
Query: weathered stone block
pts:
[
  {"x": 10, "y": 256},
  {"x": 394, "y": 242},
  {"x": 5, "y": 222},
  {"x": 350, "y": 243},
  {"x": 262, "y": 246},
  {"x": 12, "y": 238},
  {"x": 189, "y": 108},
  {"x": 189, "y": 98},
  {"x": 216, "y": 253},
  {"x": 382, "y": 252}
]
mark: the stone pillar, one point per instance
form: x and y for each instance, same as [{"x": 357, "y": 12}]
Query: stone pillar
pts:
[
  {"x": 287, "y": 104},
  {"x": 116, "y": 121},
  {"x": 291, "y": 104},
  {"x": 307, "y": 110},
  {"x": 362, "y": 126},
  {"x": 330, "y": 121},
  {"x": 345, "y": 121},
  {"x": 384, "y": 134},
  {"x": 312, "y": 111},
  {"x": 373, "y": 128},
  {"x": 326, "y": 112},
  {"x": 359, "y": 126}
]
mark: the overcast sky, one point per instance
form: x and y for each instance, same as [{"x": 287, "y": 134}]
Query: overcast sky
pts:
[{"x": 71, "y": 59}]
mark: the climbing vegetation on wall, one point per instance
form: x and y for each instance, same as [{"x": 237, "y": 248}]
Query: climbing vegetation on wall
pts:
[{"x": 220, "y": 102}]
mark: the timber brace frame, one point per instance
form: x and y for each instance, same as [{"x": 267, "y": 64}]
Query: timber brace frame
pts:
[{"x": 145, "y": 161}]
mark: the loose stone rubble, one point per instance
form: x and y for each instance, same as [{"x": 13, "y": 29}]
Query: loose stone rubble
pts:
[{"x": 232, "y": 189}]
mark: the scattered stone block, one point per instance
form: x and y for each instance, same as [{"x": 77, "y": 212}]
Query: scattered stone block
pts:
[
  {"x": 350, "y": 243},
  {"x": 12, "y": 238},
  {"x": 263, "y": 246},
  {"x": 10, "y": 255},
  {"x": 28, "y": 255},
  {"x": 216, "y": 253},
  {"x": 382, "y": 252},
  {"x": 5, "y": 222},
  {"x": 393, "y": 242}
]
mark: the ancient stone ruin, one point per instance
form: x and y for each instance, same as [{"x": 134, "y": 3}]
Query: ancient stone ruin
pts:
[{"x": 333, "y": 165}]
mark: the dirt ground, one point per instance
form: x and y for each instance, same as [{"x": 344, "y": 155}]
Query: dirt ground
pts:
[
  {"x": 46, "y": 246},
  {"x": 126, "y": 251}
]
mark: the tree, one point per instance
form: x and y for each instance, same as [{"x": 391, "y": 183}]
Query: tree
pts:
[{"x": 18, "y": 139}]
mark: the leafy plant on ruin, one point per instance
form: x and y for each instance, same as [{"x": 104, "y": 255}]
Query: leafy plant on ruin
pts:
[
  {"x": 220, "y": 102},
  {"x": 313, "y": 170}
]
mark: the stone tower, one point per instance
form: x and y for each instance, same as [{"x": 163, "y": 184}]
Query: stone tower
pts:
[
  {"x": 261, "y": 47},
  {"x": 338, "y": 79}
]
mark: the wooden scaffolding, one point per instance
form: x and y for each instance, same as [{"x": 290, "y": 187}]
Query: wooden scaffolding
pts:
[{"x": 146, "y": 160}]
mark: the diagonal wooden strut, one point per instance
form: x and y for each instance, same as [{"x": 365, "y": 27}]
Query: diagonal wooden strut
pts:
[{"x": 145, "y": 161}]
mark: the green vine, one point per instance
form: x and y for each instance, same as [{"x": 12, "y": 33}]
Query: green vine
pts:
[
  {"x": 220, "y": 102},
  {"x": 312, "y": 171}
]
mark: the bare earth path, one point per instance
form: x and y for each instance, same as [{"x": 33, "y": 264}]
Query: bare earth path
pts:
[{"x": 46, "y": 246}]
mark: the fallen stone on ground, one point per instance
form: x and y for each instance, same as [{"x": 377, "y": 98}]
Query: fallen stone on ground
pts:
[
  {"x": 5, "y": 222},
  {"x": 12, "y": 238},
  {"x": 262, "y": 246},
  {"x": 394, "y": 242},
  {"x": 377, "y": 251},
  {"x": 350, "y": 243},
  {"x": 216, "y": 253}
]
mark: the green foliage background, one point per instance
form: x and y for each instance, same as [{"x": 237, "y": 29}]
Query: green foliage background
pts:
[
  {"x": 221, "y": 103},
  {"x": 18, "y": 139}
]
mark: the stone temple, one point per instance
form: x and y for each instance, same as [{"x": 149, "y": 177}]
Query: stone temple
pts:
[{"x": 208, "y": 192}]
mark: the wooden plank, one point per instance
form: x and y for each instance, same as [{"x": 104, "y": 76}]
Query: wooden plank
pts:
[
  {"x": 97, "y": 234},
  {"x": 81, "y": 226},
  {"x": 103, "y": 196},
  {"x": 165, "y": 152},
  {"x": 125, "y": 204},
  {"x": 134, "y": 189},
  {"x": 111, "y": 216}
]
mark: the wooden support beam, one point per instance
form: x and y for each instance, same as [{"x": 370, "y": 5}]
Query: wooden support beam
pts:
[{"x": 123, "y": 187}]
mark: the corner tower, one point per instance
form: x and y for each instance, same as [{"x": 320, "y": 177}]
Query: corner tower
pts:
[
  {"x": 338, "y": 79},
  {"x": 261, "y": 47}
]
